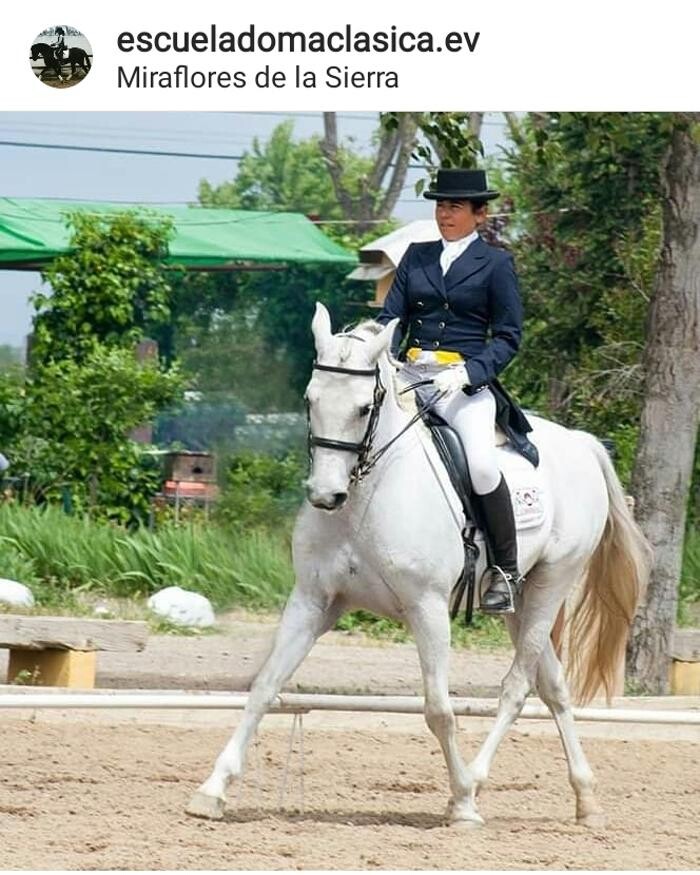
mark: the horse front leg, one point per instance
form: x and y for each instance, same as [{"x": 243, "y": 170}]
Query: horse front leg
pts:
[
  {"x": 430, "y": 624},
  {"x": 303, "y": 621}
]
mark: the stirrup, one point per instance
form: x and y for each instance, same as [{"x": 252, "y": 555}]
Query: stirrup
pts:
[{"x": 508, "y": 593}]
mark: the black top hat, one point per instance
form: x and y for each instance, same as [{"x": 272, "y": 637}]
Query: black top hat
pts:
[{"x": 460, "y": 185}]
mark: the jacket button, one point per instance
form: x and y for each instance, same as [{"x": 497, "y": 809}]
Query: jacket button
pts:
[
  {"x": 441, "y": 325},
  {"x": 445, "y": 306},
  {"x": 419, "y": 303},
  {"x": 436, "y": 343},
  {"x": 419, "y": 321},
  {"x": 416, "y": 341}
]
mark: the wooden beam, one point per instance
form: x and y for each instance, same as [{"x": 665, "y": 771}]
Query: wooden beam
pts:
[
  {"x": 686, "y": 645},
  {"x": 69, "y": 633}
]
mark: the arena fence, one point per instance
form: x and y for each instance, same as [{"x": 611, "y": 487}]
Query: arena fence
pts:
[{"x": 300, "y": 703}]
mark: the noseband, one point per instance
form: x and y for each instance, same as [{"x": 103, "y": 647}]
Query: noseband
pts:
[{"x": 362, "y": 449}]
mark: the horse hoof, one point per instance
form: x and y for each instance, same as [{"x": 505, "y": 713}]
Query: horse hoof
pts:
[
  {"x": 596, "y": 820},
  {"x": 467, "y": 823},
  {"x": 209, "y": 807},
  {"x": 464, "y": 816}
]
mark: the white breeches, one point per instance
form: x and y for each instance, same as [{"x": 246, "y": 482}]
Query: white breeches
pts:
[{"x": 474, "y": 419}]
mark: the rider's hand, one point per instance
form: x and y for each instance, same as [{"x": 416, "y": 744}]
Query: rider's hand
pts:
[{"x": 451, "y": 379}]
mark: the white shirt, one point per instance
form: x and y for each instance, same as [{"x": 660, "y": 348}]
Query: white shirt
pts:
[{"x": 452, "y": 249}]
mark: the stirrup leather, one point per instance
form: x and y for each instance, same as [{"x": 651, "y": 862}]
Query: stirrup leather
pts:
[{"x": 513, "y": 586}]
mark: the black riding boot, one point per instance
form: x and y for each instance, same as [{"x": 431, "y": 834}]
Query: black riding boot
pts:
[{"x": 501, "y": 581}]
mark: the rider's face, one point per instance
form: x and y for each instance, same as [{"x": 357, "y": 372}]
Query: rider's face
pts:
[{"x": 457, "y": 219}]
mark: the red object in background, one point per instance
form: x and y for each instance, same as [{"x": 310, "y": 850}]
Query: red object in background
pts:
[{"x": 190, "y": 489}]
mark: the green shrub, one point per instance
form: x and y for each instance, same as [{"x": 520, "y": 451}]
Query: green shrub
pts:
[
  {"x": 485, "y": 633},
  {"x": 15, "y": 565},
  {"x": 261, "y": 491}
]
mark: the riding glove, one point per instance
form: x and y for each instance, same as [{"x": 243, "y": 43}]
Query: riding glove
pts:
[{"x": 451, "y": 379}]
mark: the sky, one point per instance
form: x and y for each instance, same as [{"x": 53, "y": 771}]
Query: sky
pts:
[{"x": 27, "y": 171}]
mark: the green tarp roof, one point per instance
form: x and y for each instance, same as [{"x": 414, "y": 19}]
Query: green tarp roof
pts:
[{"x": 33, "y": 231}]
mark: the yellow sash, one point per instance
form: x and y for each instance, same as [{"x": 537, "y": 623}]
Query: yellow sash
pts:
[{"x": 440, "y": 356}]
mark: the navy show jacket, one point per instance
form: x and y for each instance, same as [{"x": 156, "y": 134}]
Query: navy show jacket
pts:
[{"x": 477, "y": 296}]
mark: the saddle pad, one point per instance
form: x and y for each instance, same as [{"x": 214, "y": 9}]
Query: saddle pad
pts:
[
  {"x": 528, "y": 507},
  {"x": 526, "y": 489}
]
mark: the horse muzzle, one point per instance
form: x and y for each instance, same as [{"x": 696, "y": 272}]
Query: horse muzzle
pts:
[{"x": 327, "y": 500}]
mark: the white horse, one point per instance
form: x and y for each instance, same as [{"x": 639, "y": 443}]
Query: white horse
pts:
[{"x": 390, "y": 542}]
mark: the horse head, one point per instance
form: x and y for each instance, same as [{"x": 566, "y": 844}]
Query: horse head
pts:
[
  {"x": 343, "y": 401},
  {"x": 45, "y": 51}
]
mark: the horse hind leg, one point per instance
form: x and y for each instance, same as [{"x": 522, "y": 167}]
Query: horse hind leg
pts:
[
  {"x": 542, "y": 597},
  {"x": 303, "y": 621},
  {"x": 553, "y": 690},
  {"x": 430, "y": 625}
]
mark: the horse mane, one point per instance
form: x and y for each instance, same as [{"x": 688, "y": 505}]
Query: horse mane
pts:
[
  {"x": 355, "y": 332},
  {"x": 361, "y": 331}
]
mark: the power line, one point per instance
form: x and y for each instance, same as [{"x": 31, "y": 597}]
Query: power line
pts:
[
  {"x": 196, "y": 205},
  {"x": 359, "y": 116},
  {"x": 120, "y": 151},
  {"x": 152, "y": 152}
]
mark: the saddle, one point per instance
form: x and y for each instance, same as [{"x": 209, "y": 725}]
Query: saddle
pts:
[
  {"x": 451, "y": 452},
  {"x": 512, "y": 427}
]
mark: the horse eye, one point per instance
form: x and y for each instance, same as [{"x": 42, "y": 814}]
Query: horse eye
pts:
[{"x": 364, "y": 411}]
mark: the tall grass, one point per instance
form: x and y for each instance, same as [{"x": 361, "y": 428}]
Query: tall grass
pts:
[
  {"x": 252, "y": 570},
  {"x": 689, "y": 590}
]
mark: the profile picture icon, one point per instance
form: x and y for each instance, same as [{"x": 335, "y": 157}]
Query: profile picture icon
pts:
[{"x": 61, "y": 56}]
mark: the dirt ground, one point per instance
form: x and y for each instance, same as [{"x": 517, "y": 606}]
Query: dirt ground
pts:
[
  {"x": 78, "y": 796},
  {"x": 101, "y": 793}
]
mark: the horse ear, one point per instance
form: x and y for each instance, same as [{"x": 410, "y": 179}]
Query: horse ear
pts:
[
  {"x": 382, "y": 342},
  {"x": 321, "y": 328}
]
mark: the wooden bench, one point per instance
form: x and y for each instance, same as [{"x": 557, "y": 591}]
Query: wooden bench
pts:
[
  {"x": 685, "y": 665},
  {"x": 62, "y": 651}
]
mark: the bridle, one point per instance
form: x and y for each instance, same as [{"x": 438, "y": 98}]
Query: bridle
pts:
[
  {"x": 366, "y": 460},
  {"x": 364, "y": 463}
]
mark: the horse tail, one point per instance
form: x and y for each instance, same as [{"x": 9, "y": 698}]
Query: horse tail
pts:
[{"x": 615, "y": 578}]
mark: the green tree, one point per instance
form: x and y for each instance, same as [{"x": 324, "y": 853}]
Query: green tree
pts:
[
  {"x": 277, "y": 307},
  {"x": 10, "y": 357},
  {"x": 76, "y": 418},
  {"x": 231, "y": 358},
  {"x": 371, "y": 196},
  {"x": 67, "y": 421},
  {"x": 584, "y": 189},
  {"x": 110, "y": 289},
  {"x": 284, "y": 174}
]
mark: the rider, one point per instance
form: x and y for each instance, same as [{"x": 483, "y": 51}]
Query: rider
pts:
[
  {"x": 448, "y": 294},
  {"x": 59, "y": 47}
]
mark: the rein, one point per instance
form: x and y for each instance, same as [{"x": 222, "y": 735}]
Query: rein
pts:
[{"x": 365, "y": 459}]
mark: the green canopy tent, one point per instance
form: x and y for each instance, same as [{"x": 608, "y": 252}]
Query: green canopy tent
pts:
[{"x": 33, "y": 231}]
